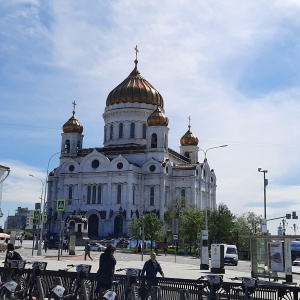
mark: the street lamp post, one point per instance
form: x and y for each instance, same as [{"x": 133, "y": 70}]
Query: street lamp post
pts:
[
  {"x": 39, "y": 221},
  {"x": 39, "y": 252},
  {"x": 204, "y": 236},
  {"x": 205, "y": 152},
  {"x": 265, "y": 185}
]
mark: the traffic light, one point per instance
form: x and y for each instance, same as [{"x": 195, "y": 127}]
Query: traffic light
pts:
[
  {"x": 294, "y": 215},
  {"x": 288, "y": 216}
]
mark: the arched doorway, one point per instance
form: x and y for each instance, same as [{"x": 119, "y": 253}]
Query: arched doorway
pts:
[
  {"x": 118, "y": 226},
  {"x": 93, "y": 226}
]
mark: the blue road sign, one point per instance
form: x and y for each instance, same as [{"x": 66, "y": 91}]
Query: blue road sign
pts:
[{"x": 175, "y": 238}]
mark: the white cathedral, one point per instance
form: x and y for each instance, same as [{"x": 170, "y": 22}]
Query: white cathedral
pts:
[{"x": 135, "y": 171}]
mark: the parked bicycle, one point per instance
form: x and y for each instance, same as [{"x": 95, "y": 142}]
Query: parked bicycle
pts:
[
  {"x": 14, "y": 285},
  {"x": 248, "y": 287},
  {"x": 132, "y": 284},
  {"x": 35, "y": 285},
  {"x": 149, "y": 289},
  {"x": 110, "y": 294},
  {"x": 211, "y": 286},
  {"x": 80, "y": 289}
]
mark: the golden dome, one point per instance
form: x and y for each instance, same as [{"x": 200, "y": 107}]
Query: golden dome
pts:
[
  {"x": 189, "y": 139},
  {"x": 135, "y": 89},
  {"x": 73, "y": 125},
  {"x": 158, "y": 118}
]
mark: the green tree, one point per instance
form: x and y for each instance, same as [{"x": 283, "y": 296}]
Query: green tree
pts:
[
  {"x": 177, "y": 204},
  {"x": 246, "y": 224},
  {"x": 135, "y": 229},
  {"x": 191, "y": 222},
  {"x": 153, "y": 227},
  {"x": 221, "y": 224}
]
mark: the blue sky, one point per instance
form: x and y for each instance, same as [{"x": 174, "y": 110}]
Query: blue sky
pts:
[{"x": 233, "y": 66}]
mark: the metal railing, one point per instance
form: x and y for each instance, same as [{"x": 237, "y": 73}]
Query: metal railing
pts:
[{"x": 174, "y": 288}]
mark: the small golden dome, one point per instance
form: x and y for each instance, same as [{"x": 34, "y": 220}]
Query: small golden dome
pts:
[
  {"x": 73, "y": 125},
  {"x": 158, "y": 118},
  {"x": 135, "y": 89},
  {"x": 189, "y": 139}
]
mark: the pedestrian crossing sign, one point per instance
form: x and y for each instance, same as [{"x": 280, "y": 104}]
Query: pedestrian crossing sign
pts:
[
  {"x": 60, "y": 204},
  {"x": 45, "y": 218},
  {"x": 36, "y": 214}
]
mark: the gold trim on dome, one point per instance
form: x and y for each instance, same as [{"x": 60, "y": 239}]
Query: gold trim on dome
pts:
[
  {"x": 189, "y": 139},
  {"x": 73, "y": 125},
  {"x": 158, "y": 118},
  {"x": 135, "y": 89}
]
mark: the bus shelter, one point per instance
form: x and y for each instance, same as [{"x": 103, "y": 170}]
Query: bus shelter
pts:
[{"x": 272, "y": 256}]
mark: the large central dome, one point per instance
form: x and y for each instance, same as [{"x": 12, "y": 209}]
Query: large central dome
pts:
[{"x": 135, "y": 89}]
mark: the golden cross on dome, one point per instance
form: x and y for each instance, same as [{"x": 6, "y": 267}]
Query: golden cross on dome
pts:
[
  {"x": 74, "y": 104},
  {"x": 136, "y": 52}
]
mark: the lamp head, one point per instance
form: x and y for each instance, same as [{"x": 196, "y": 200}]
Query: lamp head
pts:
[{"x": 259, "y": 169}]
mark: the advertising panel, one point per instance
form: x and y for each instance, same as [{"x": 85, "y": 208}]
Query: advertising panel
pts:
[{"x": 276, "y": 256}]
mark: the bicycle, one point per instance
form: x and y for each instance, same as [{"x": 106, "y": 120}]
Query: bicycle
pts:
[
  {"x": 131, "y": 288},
  {"x": 36, "y": 286},
  {"x": 211, "y": 286},
  {"x": 248, "y": 287},
  {"x": 14, "y": 286},
  {"x": 80, "y": 289},
  {"x": 150, "y": 289},
  {"x": 109, "y": 294}
]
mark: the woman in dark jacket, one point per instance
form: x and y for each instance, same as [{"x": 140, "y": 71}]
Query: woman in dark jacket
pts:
[{"x": 106, "y": 270}]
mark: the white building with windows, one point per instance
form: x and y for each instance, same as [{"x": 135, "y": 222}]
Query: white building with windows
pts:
[{"x": 134, "y": 172}]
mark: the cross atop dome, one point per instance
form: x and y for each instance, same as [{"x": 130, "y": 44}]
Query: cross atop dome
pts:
[
  {"x": 74, "y": 105},
  {"x": 136, "y": 54}
]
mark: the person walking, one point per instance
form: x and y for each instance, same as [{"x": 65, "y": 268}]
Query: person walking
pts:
[
  {"x": 165, "y": 250},
  {"x": 105, "y": 273},
  {"x": 87, "y": 251},
  {"x": 46, "y": 245}
]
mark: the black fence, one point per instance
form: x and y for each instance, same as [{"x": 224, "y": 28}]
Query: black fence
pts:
[{"x": 173, "y": 289}]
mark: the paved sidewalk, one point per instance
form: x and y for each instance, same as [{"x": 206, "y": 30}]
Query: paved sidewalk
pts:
[{"x": 185, "y": 266}]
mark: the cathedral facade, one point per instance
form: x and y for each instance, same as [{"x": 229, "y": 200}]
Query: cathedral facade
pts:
[{"x": 134, "y": 172}]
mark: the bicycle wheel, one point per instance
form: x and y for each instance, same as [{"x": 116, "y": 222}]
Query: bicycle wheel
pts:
[
  {"x": 34, "y": 293},
  {"x": 135, "y": 293},
  {"x": 80, "y": 291},
  {"x": 20, "y": 290}
]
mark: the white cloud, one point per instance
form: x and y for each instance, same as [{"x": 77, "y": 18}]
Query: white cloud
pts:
[{"x": 194, "y": 53}]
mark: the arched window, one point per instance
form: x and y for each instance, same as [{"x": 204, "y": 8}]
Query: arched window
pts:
[
  {"x": 133, "y": 195},
  {"x": 151, "y": 196},
  {"x": 105, "y": 133},
  {"x": 111, "y": 133},
  {"x": 154, "y": 140},
  {"x": 70, "y": 195},
  {"x": 132, "y": 130},
  {"x": 120, "y": 130},
  {"x": 144, "y": 131},
  {"x": 99, "y": 198},
  {"x": 165, "y": 142},
  {"x": 89, "y": 192},
  {"x": 119, "y": 194},
  {"x": 78, "y": 145},
  {"x": 67, "y": 146},
  {"x": 94, "y": 194},
  {"x": 183, "y": 193}
]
